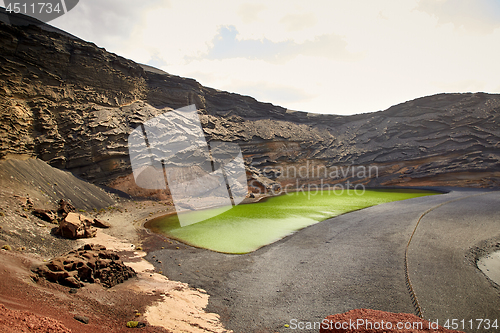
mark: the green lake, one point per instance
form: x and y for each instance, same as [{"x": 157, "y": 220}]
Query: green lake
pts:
[{"x": 247, "y": 227}]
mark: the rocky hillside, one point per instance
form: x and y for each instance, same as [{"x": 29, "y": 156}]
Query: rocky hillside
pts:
[{"x": 73, "y": 105}]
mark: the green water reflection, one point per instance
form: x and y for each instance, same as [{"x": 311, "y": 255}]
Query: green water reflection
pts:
[{"x": 245, "y": 228}]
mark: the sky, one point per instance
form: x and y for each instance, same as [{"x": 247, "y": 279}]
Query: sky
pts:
[{"x": 321, "y": 56}]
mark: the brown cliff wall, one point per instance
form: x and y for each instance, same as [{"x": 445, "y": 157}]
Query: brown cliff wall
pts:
[{"x": 73, "y": 104}]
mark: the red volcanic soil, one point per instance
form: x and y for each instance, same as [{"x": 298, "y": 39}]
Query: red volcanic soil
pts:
[
  {"x": 374, "y": 321},
  {"x": 26, "y": 306},
  {"x": 24, "y": 321}
]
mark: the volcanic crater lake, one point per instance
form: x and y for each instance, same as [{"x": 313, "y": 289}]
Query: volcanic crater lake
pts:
[{"x": 247, "y": 227}]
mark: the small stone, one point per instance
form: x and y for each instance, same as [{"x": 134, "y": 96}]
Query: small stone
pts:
[
  {"x": 101, "y": 224},
  {"x": 72, "y": 282},
  {"x": 73, "y": 291},
  {"x": 82, "y": 319}
]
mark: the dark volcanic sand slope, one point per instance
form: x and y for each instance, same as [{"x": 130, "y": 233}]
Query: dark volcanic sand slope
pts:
[
  {"x": 35, "y": 181},
  {"x": 36, "y": 175}
]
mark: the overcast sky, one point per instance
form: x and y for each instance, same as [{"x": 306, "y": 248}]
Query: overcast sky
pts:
[{"x": 329, "y": 56}]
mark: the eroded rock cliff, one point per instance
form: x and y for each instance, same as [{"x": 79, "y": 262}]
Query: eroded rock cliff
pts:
[{"x": 73, "y": 104}]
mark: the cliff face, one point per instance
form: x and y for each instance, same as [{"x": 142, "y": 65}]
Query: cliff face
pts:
[{"x": 73, "y": 104}]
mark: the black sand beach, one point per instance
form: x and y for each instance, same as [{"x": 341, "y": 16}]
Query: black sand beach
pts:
[{"x": 354, "y": 261}]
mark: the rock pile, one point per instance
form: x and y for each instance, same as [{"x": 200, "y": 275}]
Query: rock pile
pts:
[
  {"x": 25, "y": 321},
  {"x": 89, "y": 264},
  {"x": 76, "y": 226},
  {"x": 53, "y": 216},
  {"x": 71, "y": 225},
  {"x": 374, "y": 321}
]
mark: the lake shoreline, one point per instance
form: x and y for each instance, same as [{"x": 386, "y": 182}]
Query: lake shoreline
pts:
[
  {"x": 244, "y": 290},
  {"x": 245, "y": 228}
]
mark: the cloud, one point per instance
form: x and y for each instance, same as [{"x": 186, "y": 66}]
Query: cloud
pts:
[
  {"x": 157, "y": 61},
  {"x": 249, "y": 12},
  {"x": 269, "y": 92},
  {"x": 382, "y": 16},
  {"x": 470, "y": 85},
  {"x": 226, "y": 45},
  {"x": 322, "y": 56},
  {"x": 480, "y": 16},
  {"x": 107, "y": 23},
  {"x": 296, "y": 22}
]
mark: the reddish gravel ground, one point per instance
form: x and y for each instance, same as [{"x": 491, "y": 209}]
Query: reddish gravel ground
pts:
[
  {"x": 46, "y": 307},
  {"x": 374, "y": 321},
  {"x": 23, "y": 321}
]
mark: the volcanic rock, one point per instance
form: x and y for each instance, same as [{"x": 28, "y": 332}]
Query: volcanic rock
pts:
[
  {"x": 25, "y": 321},
  {"x": 45, "y": 214},
  {"x": 82, "y": 319},
  {"x": 101, "y": 224},
  {"x": 89, "y": 264},
  {"x": 76, "y": 226},
  {"x": 375, "y": 321},
  {"x": 65, "y": 208}
]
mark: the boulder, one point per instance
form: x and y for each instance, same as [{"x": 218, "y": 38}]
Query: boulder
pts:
[
  {"x": 75, "y": 226},
  {"x": 89, "y": 264},
  {"x": 45, "y": 214}
]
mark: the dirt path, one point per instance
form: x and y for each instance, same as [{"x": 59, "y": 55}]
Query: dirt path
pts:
[{"x": 442, "y": 257}]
